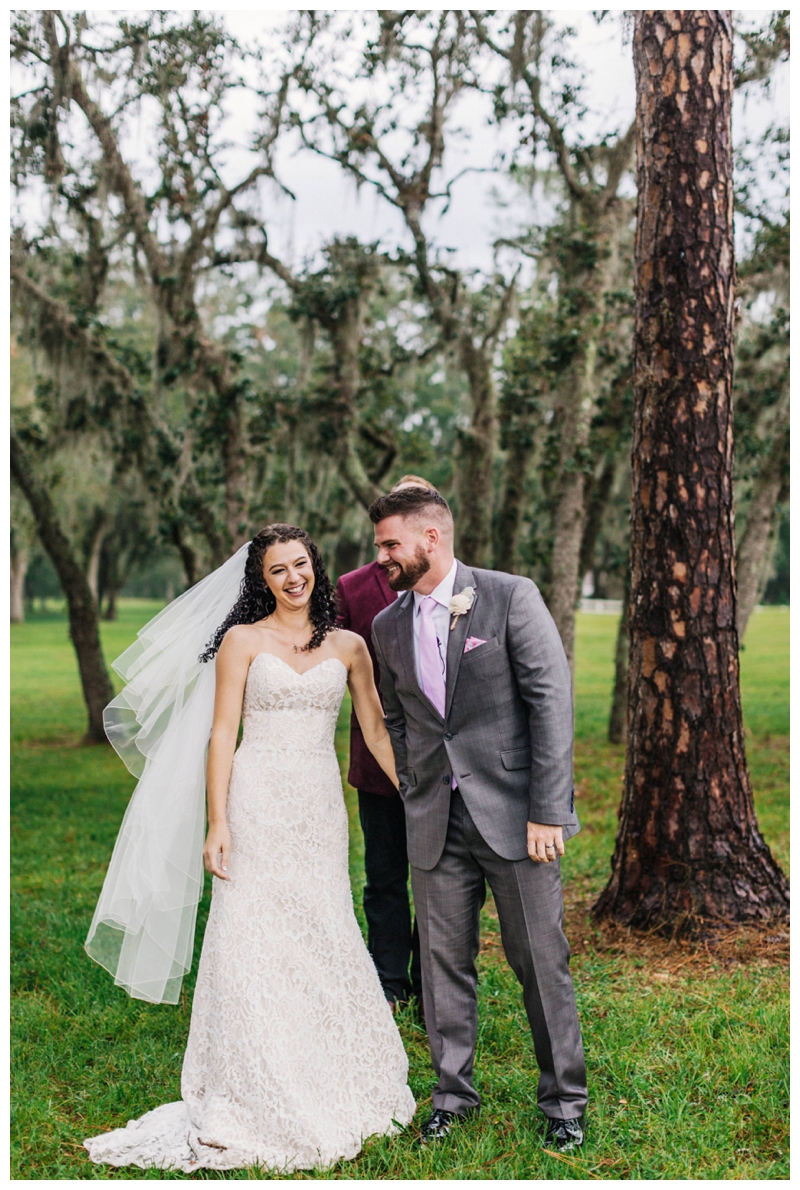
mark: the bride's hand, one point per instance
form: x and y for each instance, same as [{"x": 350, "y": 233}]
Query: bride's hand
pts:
[{"x": 217, "y": 851}]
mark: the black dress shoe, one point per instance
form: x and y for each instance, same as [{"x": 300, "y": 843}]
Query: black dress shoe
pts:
[
  {"x": 439, "y": 1124},
  {"x": 563, "y": 1135}
]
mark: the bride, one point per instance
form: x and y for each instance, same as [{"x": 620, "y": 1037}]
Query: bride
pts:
[{"x": 293, "y": 1057}]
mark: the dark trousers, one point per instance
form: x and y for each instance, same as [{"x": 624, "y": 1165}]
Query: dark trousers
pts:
[
  {"x": 528, "y": 899},
  {"x": 393, "y": 944}
]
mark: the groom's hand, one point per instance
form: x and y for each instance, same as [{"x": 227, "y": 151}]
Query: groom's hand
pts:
[{"x": 544, "y": 842}]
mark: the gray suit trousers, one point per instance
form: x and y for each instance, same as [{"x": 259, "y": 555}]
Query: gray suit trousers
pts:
[{"x": 447, "y": 900}]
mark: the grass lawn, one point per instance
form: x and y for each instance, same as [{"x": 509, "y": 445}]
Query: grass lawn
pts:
[{"x": 687, "y": 1047}]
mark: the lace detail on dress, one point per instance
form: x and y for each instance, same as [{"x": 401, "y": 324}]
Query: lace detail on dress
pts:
[{"x": 293, "y": 1057}]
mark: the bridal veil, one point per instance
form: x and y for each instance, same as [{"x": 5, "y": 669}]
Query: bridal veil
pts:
[{"x": 142, "y": 931}]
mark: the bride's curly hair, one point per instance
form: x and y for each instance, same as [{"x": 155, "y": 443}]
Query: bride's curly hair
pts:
[{"x": 256, "y": 601}]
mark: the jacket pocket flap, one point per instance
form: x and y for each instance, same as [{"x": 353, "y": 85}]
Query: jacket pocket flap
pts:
[{"x": 517, "y": 758}]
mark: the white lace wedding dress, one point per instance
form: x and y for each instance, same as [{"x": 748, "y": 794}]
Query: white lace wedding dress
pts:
[{"x": 293, "y": 1057}]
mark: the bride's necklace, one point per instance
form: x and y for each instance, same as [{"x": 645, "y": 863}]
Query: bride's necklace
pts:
[{"x": 295, "y": 647}]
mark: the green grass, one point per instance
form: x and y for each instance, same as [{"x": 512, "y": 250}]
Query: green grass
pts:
[{"x": 688, "y": 1068}]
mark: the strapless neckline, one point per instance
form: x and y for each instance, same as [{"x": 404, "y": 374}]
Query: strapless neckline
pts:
[{"x": 291, "y": 668}]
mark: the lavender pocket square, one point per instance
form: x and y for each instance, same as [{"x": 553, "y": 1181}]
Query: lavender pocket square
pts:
[{"x": 472, "y": 642}]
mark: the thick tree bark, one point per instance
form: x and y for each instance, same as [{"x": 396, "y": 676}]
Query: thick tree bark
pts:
[
  {"x": 19, "y": 568},
  {"x": 757, "y": 545},
  {"x": 688, "y": 846},
  {"x": 82, "y": 606}
]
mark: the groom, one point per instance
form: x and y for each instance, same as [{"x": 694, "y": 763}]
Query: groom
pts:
[{"x": 478, "y": 702}]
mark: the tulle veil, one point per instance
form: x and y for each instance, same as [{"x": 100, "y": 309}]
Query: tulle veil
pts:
[{"x": 143, "y": 927}]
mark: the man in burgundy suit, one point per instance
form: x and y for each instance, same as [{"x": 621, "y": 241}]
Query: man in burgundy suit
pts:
[{"x": 394, "y": 946}]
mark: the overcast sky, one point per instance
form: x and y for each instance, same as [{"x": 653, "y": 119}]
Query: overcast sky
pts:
[{"x": 327, "y": 203}]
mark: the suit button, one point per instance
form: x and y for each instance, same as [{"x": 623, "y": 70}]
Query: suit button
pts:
[
  {"x": 446, "y": 780},
  {"x": 448, "y": 735}
]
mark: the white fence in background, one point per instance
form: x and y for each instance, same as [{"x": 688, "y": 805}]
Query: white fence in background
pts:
[
  {"x": 602, "y": 607},
  {"x": 613, "y": 607}
]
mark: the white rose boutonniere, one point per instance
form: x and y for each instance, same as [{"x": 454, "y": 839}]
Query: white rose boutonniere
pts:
[{"x": 460, "y": 604}]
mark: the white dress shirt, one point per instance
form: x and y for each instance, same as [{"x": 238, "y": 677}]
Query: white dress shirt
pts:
[{"x": 441, "y": 618}]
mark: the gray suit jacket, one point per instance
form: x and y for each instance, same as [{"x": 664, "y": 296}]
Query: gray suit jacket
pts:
[{"x": 507, "y": 730}]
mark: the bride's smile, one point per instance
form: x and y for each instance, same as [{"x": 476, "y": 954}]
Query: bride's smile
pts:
[{"x": 289, "y": 575}]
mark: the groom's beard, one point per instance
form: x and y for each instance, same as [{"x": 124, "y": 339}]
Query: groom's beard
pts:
[{"x": 404, "y": 578}]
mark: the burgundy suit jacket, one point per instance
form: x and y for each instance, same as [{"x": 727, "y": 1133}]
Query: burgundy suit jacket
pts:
[{"x": 360, "y": 595}]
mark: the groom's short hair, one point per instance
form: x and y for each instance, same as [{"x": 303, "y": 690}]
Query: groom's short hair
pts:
[
  {"x": 413, "y": 481},
  {"x": 416, "y": 502}
]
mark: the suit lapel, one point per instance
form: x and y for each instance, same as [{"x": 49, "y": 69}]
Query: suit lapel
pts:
[
  {"x": 405, "y": 636},
  {"x": 457, "y": 637}
]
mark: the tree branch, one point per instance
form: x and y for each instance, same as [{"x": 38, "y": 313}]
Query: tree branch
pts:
[
  {"x": 59, "y": 315},
  {"x": 122, "y": 182},
  {"x": 534, "y": 84},
  {"x": 619, "y": 156},
  {"x": 503, "y": 312}
]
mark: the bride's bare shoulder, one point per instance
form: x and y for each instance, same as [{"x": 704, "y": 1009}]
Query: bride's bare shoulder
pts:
[
  {"x": 240, "y": 632},
  {"x": 240, "y": 641},
  {"x": 349, "y": 645}
]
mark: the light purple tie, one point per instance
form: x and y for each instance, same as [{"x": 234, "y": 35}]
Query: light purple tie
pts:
[{"x": 430, "y": 661}]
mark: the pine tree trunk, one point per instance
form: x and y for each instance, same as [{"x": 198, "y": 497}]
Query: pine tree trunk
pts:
[
  {"x": 19, "y": 568},
  {"x": 81, "y": 604},
  {"x": 757, "y": 545},
  {"x": 688, "y": 846}
]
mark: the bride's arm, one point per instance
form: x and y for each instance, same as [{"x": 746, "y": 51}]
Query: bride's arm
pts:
[
  {"x": 367, "y": 707},
  {"x": 233, "y": 661}
]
